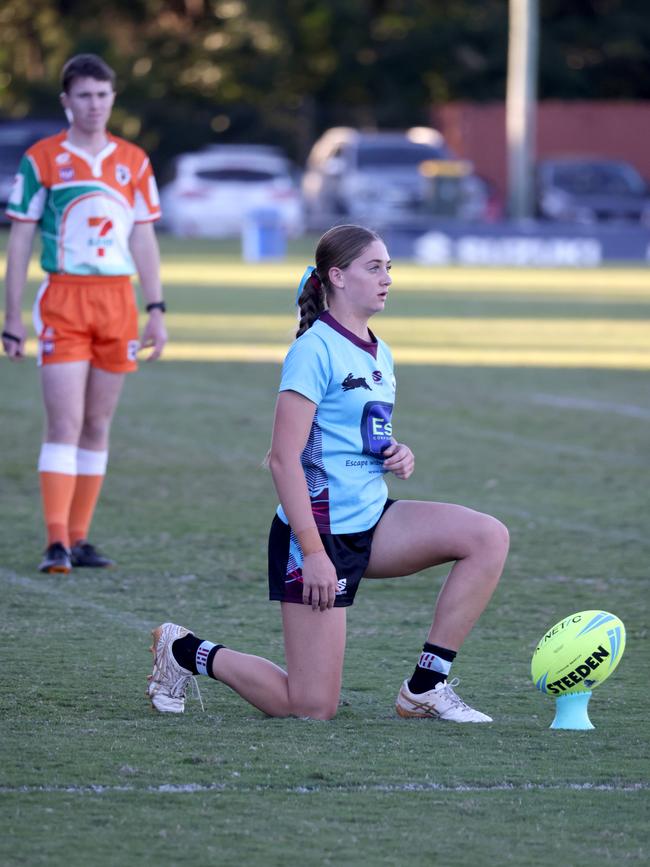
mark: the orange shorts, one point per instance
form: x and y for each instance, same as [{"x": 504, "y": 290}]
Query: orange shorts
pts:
[{"x": 95, "y": 319}]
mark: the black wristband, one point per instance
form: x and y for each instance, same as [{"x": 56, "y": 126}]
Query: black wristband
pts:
[
  {"x": 7, "y": 335},
  {"x": 156, "y": 305}
]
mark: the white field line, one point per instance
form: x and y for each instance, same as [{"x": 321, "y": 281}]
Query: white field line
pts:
[
  {"x": 41, "y": 586},
  {"x": 629, "y": 410},
  {"x": 201, "y": 788},
  {"x": 564, "y": 524},
  {"x": 610, "y": 456}
]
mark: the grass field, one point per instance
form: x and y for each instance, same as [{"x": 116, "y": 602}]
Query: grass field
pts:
[{"x": 522, "y": 393}]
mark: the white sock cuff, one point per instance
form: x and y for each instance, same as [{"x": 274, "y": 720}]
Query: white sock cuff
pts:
[
  {"x": 434, "y": 663},
  {"x": 202, "y": 653},
  {"x": 91, "y": 463},
  {"x": 58, "y": 458}
]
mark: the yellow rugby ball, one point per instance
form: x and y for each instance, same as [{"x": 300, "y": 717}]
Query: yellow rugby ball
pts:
[{"x": 578, "y": 653}]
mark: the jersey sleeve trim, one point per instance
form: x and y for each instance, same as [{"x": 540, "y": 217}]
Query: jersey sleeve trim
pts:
[
  {"x": 143, "y": 168},
  {"x": 19, "y": 218},
  {"x": 35, "y": 167},
  {"x": 302, "y": 390}
]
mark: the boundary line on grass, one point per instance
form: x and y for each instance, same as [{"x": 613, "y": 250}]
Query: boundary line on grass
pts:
[
  {"x": 41, "y": 586},
  {"x": 574, "y": 526},
  {"x": 629, "y": 410},
  {"x": 203, "y": 788},
  {"x": 551, "y": 448}
]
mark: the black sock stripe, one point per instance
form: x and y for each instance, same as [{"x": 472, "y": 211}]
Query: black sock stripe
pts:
[{"x": 211, "y": 656}]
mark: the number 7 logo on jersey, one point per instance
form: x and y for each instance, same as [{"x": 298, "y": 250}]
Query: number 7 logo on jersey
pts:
[{"x": 105, "y": 225}]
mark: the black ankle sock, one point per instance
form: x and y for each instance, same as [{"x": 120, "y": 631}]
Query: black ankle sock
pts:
[
  {"x": 184, "y": 652},
  {"x": 424, "y": 677}
]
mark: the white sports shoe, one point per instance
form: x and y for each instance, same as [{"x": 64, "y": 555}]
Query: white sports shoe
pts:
[
  {"x": 438, "y": 703},
  {"x": 168, "y": 681}
]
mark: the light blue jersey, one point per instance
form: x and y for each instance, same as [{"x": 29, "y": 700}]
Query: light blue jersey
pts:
[{"x": 351, "y": 381}]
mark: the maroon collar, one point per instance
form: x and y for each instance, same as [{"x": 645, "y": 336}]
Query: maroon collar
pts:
[{"x": 369, "y": 346}]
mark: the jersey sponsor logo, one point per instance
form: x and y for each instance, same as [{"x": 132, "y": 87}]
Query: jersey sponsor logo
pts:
[
  {"x": 376, "y": 376},
  {"x": 376, "y": 427},
  {"x": 122, "y": 174},
  {"x": 351, "y": 382},
  {"x": 101, "y": 242},
  {"x": 62, "y": 159},
  {"x": 66, "y": 173}
]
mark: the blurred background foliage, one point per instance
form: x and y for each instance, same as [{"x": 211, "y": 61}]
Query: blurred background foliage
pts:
[{"x": 192, "y": 72}]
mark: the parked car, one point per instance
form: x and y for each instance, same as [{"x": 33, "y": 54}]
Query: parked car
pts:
[
  {"x": 385, "y": 177},
  {"x": 15, "y": 137},
  {"x": 589, "y": 190},
  {"x": 215, "y": 189}
]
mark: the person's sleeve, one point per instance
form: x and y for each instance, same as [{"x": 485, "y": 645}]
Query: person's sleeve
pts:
[
  {"x": 147, "y": 201},
  {"x": 307, "y": 368},
  {"x": 27, "y": 197}
]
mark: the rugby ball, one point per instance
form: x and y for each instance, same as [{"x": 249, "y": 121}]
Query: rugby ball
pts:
[{"x": 578, "y": 653}]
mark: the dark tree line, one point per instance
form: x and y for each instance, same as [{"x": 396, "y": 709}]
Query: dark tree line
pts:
[{"x": 281, "y": 71}]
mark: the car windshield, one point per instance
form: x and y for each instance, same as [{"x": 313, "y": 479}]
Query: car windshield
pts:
[
  {"x": 243, "y": 175},
  {"x": 598, "y": 178},
  {"x": 403, "y": 155}
]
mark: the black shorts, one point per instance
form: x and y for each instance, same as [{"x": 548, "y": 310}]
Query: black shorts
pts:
[{"x": 349, "y": 552}]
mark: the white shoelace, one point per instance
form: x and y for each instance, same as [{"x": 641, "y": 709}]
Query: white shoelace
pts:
[
  {"x": 197, "y": 691},
  {"x": 455, "y": 699}
]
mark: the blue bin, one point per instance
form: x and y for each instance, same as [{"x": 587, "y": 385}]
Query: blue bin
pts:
[{"x": 263, "y": 236}]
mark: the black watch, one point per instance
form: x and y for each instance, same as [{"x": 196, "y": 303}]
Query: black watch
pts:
[{"x": 156, "y": 305}]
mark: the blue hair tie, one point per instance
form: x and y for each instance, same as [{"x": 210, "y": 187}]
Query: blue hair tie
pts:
[{"x": 309, "y": 272}]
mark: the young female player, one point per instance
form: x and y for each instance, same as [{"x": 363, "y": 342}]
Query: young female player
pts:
[{"x": 332, "y": 445}]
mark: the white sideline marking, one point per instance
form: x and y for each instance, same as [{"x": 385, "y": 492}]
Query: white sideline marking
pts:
[
  {"x": 42, "y": 586},
  {"x": 510, "y": 438},
  {"x": 561, "y": 523},
  {"x": 629, "y": 410},
  {"x": 193, "y": 788}
]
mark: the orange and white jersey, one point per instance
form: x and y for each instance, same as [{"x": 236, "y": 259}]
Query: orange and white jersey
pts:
[{"x": 86, "y": 206}]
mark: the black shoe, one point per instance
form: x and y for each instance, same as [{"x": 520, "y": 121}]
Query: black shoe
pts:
[
  {"x": 57, "y": 559},
  {"x": 83, "y": 554}
]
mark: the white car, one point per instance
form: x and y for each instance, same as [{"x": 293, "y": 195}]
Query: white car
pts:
[
  {"x": 385, "y": 177},
  {"x": 215, "y": 190}
]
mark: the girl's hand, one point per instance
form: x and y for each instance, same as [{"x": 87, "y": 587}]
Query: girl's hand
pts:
[
  {"x": 318, "y": 581},
  {"x": 399, "y": 459}
]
